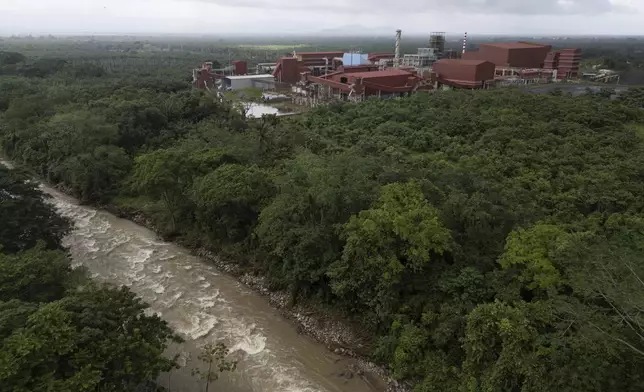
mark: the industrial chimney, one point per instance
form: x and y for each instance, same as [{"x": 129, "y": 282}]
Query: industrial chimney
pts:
[
  {"x": 397, "y": 52},
  {"x": 464, "y": 42}
]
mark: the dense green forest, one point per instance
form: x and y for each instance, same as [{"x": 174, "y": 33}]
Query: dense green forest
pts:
[
  {"x": 173, "y": 56},
  {"x": 58, "y": 330},
  {"x": 488, "y": 241}
]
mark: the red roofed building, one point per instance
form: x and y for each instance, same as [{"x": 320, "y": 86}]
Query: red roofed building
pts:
[
  {"x": 374, "y": 57},
  {"x": 358, "y": 68},
  {"x": 317, "y": 59},
  {"x": 512, "y": 54},
  {"x": 569, "y": 64},
  {"x": 551, "y": 61},
  {"x": 288, "y": 69},
  {"x": 240, "y": 67},
  {"x": 377, "y": 82},
  {"x": 205, "y": 77},
  {"x": 464, "y": 73},
  {"x": 566, "y": 62},
  {"x": 363, "y": 84}
]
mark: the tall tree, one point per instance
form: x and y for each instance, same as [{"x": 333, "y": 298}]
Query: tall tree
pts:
[
  {"x": 395, "y": 238},
  {"x": 214, "y": 357},
  {"x": 168, "y": 175},
  {"x": 229, "y": 200}
]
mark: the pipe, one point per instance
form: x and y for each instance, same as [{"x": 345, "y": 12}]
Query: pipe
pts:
[
  {"x": 397, "y": 51},
  {"x": 465, "y": 42}
]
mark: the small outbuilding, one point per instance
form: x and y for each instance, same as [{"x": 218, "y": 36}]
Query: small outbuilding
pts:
[{"x": 238, "y": 82}]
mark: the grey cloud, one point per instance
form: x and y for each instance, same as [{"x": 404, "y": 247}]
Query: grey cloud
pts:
[
  {"x": 533, "y": 7},
  {"x": 516, "y": 7}
]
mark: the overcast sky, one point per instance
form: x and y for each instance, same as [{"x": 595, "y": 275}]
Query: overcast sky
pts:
[{"x": 270, "y": 17}]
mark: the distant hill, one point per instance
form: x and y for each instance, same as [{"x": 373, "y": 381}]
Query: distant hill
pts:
[{"x": 358, "y": 30}]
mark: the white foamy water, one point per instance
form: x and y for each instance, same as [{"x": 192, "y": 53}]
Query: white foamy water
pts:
[
  {"x": 204, "y": 306},
  {"x": 251, "y": 342}
]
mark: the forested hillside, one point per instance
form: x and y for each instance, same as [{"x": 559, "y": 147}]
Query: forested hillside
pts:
[
  {"x": 58, "y": 330},
  {"x": 489, "y": 241}
]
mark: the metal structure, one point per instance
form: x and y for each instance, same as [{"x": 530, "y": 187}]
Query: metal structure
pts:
[
  {"x": 397, "y": 48},
  {"x": 385, "y": 64},
  {"x": 437, "y": 42},
  {"x": 288, "y": 69},
  {"x": 265, "y": 68},
  {"x": 422, "y": 60},
  {"x": 523, "y": 76},
  {"x": 602, "y": 76},
  {"x": 205, "y": 77}
]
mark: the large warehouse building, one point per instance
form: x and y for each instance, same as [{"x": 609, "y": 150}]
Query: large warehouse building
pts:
[
  {"x": 518, "y": 62},
  {"x": 464, "y": 73},
  {"x": 378, "y": 82},
  {"x": 357, "y": 83},
  {"x": 511, "y": 54}
]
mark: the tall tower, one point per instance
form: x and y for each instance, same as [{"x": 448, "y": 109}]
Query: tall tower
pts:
[
  {"x": 397, "y": 51},
  {"x": 464, "y": 42},
  {"x": 437, "y": 42}
]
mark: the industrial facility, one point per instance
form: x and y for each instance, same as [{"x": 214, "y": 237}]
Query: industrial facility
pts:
[
  {"x": 206, "y": 77},
  {"x": 316, "y": 77}
]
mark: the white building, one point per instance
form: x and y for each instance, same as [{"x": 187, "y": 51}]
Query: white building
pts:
[{"x": 265, "y": 81}]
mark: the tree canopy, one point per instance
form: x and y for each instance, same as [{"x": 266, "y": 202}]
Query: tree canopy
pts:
[
  {"x": 25, "y": 218},
  {"x": 58, "y": 330}
]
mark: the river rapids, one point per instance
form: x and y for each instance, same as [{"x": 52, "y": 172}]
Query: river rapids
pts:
[{"x": 204, "y": 305}]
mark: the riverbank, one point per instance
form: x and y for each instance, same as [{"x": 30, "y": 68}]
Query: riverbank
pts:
[{"x": 310, "y": 319}]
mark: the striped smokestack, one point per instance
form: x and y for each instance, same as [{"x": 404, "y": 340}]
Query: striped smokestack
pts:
[
  {"x": 464, "y": 42},
  {"x": 397, "y": 51}
]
